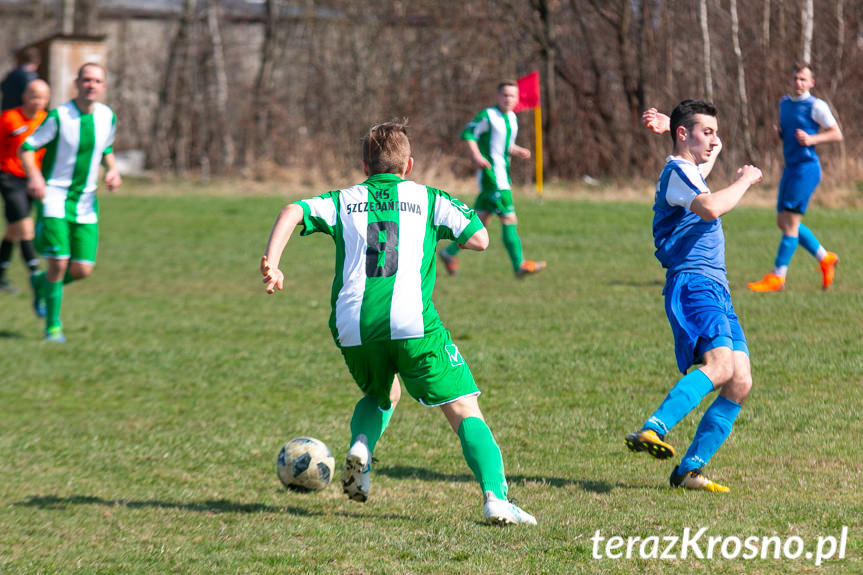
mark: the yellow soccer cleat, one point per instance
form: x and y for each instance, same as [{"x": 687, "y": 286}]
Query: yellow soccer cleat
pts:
[
  {"x": 651, "y": 442},
  {"x": 696, "y": 481},
  {"x": 770, "y": 282},
  {"x": 828, "y": 269}
]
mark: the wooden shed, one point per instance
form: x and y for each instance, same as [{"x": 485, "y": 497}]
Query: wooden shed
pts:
[{"x": 62, "y": 55}]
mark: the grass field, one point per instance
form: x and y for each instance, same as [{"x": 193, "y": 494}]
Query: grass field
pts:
[{"x": 147, "y": 443}]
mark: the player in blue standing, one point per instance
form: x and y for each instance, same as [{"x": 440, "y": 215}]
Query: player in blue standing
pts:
[
  {"x": 690, "y": 245},
  {"x": 383, "y": 320},
  {"x": 804, "y": 121}
]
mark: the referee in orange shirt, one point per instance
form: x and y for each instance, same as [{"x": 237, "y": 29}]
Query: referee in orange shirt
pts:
[{"x": 15, "y": 125}]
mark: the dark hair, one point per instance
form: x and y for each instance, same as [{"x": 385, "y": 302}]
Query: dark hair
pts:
[
  {"x": 30, "y": 55},
  {"x": 801, "y": 65},
  {"x": 505, "y": 84},
  {"x": 684, "y": 114},
  {"x": 91, "y": 64},
  {"x": 386, "y": 148}
]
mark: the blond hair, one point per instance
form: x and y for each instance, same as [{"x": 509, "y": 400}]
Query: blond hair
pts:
[{"x": 386, "y": 148}]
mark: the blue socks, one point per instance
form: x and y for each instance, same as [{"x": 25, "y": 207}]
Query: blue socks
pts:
[
  {"x": 786, "y": 250},
  {"x": 788, "y": 245},
  {"x": 683, "y": 397},
  {"x": 713, "y": 430},
  {"x": 808, "y": 240}
]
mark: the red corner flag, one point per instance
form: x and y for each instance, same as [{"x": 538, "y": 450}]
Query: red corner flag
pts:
[
  {"x": 528, "y": 98},
  {"x": 528, "y": 92}
]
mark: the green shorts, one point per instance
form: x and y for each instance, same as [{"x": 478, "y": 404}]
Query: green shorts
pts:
[
  {"x": 431, "y": 367},
  {"x": 61, "y": 239},
  {"x": 496, "y": 201}
]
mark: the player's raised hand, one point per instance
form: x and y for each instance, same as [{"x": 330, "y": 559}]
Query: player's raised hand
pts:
[
  {"x": 749, "y": 174},
  {"x": 655, "y": 121},
  {"x": 273, "y": 276}
]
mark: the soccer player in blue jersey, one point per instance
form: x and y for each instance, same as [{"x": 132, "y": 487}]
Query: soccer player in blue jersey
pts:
[
  {"x": 804, "y": 121},
  {"x": 690, "y": 245},
  {"x": 383, "y": 320}
]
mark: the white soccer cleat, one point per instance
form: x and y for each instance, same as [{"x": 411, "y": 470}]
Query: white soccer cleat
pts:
[
  {"x": 502, "y": 512},
  {"x": 356, "y": 483}
]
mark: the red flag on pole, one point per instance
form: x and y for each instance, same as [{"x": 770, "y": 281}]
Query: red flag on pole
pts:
[
  {"x": 528, "y": 99},
  {"x": 528, "y": 92}
]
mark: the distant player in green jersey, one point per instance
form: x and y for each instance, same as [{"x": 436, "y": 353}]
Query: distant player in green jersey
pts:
[
  {"x": 490, "y": 138},
  {"x": 78, "y": 137},
  {"x": 383, "y": 320}
]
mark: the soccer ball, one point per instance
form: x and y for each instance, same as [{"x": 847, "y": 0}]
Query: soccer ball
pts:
[{"x": 305, "y": 464}]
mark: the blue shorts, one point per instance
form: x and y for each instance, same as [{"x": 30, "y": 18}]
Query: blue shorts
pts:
[
  {"x": 797, "y": 186},
  {"x": 702, "y": 318}
]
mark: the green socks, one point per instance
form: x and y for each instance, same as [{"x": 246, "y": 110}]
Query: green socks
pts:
[
  {"x": 512, "y": 243},
  {"x": 53, "y": 301},
  {"x": 453, "y": 249},
  {"x": 369, "y": 420},
  {"x": 483, "y": 456}
]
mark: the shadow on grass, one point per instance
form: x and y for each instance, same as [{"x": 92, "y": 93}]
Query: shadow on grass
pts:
[
  {"x": 6, "y": 334},
  {"x": 209, "y": 506},
  {"x": 403, "y": 471},
  {"x": 212, "y": 506}
]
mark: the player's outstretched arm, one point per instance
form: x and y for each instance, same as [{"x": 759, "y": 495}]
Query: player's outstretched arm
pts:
[
  {"x": 713, "y": 205},
  {"x": 655, "y": 121},
  {"x": 290, "y": 216},
  {"x": 478, "y": 241}
]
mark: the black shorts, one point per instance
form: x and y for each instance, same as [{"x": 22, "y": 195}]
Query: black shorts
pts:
[{"x": 16, "y": 200}]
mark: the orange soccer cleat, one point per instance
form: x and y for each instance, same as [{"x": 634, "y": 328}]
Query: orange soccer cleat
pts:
[
  {"x": 770, "y": 282},
  {"x": 828, "y": 269},
  {"x": 450, "y": 262},
  {"x": 529, "y": 267}
]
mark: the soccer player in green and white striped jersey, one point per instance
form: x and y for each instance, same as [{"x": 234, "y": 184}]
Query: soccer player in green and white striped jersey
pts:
[
  {"x": 383, "y": 320},
  {"x": 490, "y": 138},
  {"x": 78, "y": 137}
]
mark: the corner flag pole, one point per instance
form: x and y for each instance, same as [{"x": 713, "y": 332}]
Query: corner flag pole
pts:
[
  {"x": 528, "y": 97},
  {"x": 537, "y": 120}
]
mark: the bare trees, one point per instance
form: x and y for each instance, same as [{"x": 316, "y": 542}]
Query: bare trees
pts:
[
  {"x": 742, "y": 97},
  {"x": 295, "y": 83},
  {"x": 706, "y": 61},
  {"x": 807, "y": 16}
]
